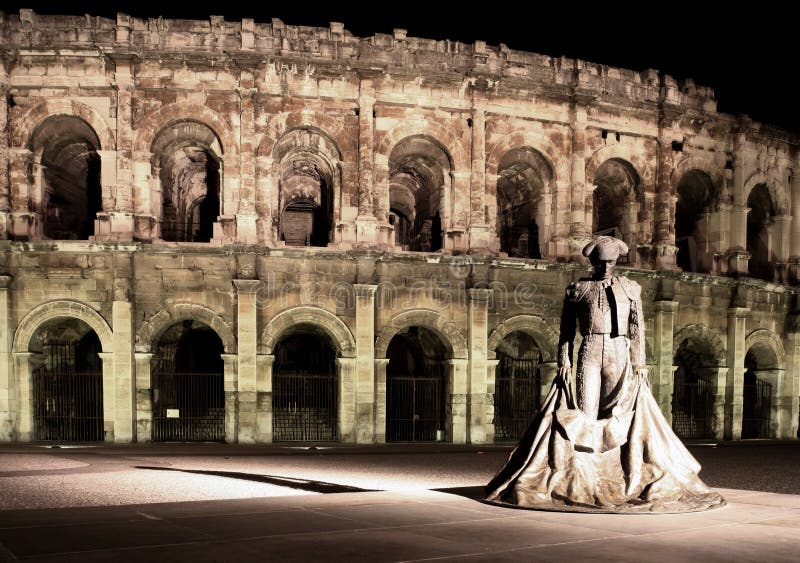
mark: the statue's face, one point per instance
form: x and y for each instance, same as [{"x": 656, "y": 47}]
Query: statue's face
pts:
[{"x": 603, "y": 269}]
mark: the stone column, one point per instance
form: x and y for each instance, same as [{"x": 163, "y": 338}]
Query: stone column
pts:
[
  {"x": 664, "y": 238},
  {"x": 456, "y": 420},
  {"x": 662, "y": 379},
  {"x": 230, "y": 362},
  {"x": 491, "y": 373},
  {"x": 737, "y": 325},
  {"x": 246, "y": 230},
  {"x": 366, "y": 223},
  {"x": 25, "y": 363},
  {"x": 264, "y": 411},
  {"x": 123, "y": 376},
  {"x": 109, "y": 396},
  {"x": 380, "y": 400},
  {"x": 144, "y": 397},
  {"x": 571, "y": 208},
  {"x": 5, "y": 188},
  {"x": 365, "y": 363},
  {"x": 7, "y": 388},
  {"x": 738, "y": 256},
  {"x": 794, "y": 237},
  {"x": 25, "y": 223},
  {"x": 789, "y": 403},
  {"x": 718, "y": 415},
  {"x": 479, "y": 238},
  {"x": 247, "y": 341},
  {"x": 477, "y": 390},
  {"x": 347, "y": 399}
]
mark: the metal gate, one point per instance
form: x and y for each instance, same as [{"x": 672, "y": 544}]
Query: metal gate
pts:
[
  {"x": 304, "y": 406},
  {"x": 67, "y": 395},
  {"x": 187, "y": 406},
  {"x": 516, "y": 396},
  {"x": 692, "y": 406},
  {"x": 415, "y": 406},
  {"x": 756, "y": 408}
]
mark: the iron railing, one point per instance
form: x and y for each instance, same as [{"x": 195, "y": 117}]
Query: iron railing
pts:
[
  {"x": 756, "y": 409},
  {"x": 304, "y": 406},
  {"x": 188, "y": 406},
  {"x": 692, "y": 408},
  {"x": 516, "y": 396}
]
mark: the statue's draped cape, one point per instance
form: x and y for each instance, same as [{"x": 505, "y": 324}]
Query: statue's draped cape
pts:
[{"x": 631, "y": 462}]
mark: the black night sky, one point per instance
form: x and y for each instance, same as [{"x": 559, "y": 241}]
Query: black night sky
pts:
[{"x": 748, "y": 55}]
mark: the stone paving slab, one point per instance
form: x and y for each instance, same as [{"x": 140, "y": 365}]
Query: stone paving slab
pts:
[{"x": 398, "y": 526}]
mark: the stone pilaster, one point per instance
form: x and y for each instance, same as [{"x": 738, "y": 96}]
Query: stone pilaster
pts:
[
  {"x": 662, "y": 378},
  {"x": 365, "y": 363},
  {"x": 456, "y": 419},
  {"x": 664, "y": 249},
  {"x": 479, "y": 232},
  {"x": 789, "y": 401},
  {"x": 366, "y": 223},
  {"x": 264, "y": 411},
  {"x": 246, "y": 217},
  {"x": 380, "y": 400},
  {"x": 347, "y": 399},
  {"x": 571, "y": 205},
  {"x": 7, "y": 386},
  {"x": 266, "y": 200},
  {"x": 738, "y": 256},
  {"x": 491, "y": 373},
  {"x": 5, "y": 188},
  {"x": 547, "y": 374},
  {"x": 25, "y": 362},
  {"x": 25, "y": 223},
  {"x": 247, "y": 341},
  {"x": 794, "y": 237},
  {"x": 144, "y": 397},
  {"x": 230, "y": 364},
  {"x": 477, "y": 391},
  {"x": 737, "y": 325},
  {"x": 719, "y": 405},
  {"x": 123, "y": 377}
]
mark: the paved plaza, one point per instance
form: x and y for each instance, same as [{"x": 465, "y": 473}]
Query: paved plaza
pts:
[{"x": 212, "y": 502}]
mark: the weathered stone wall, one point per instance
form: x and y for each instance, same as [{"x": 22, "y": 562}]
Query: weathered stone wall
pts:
[{"x": 366, "y": 118}]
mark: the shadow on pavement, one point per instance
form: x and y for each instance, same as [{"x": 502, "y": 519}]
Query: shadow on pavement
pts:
[
  {"x": 302, "y": 484},
  {"x": 475, "y": 493}
]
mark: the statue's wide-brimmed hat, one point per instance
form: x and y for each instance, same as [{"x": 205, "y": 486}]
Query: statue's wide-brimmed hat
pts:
[{"x": 605, "y": 248}]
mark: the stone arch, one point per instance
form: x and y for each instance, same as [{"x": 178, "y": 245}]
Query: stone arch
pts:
[
  {"x": 148, "y": 128},
  {"x": 705, "y": 334},
  {"x": 431, "y": 130},
  {"x": 152, "y": 329},
  {"x": 776, "y": 190},
  {"x": 58, "y": 309},
  {"x": 771, "y": 341},
  {"x": 432, "y": 320},
  {"x": 27, "y": 124},
  {"x": 693, "y": 163},
  {"x": 534, "y": 140},
  {"x": 536, "y": 327},
  {"x": 304, "y": 314},
  {"x": 624, "y": 153},
  {"x": 281, "y": 124}
]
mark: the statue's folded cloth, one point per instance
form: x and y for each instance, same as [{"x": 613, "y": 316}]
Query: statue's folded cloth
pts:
[{"x": 630, "y": 462}]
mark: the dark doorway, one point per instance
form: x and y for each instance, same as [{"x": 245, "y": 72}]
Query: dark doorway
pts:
[
  {"x": 416, "y": 380},
  {"x": 68, "y": 390},
  {"x": 517, "y": 386},
  {"x": 756, "y": 401},
  {"x": 693, "y": 393},
  {"x": 305, "y": 388},
  {"x": 188, "y": 385}
]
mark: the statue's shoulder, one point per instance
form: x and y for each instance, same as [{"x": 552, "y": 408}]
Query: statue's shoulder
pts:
[
  {"x": 632, "y": 289},
  {"x": 577, "y": 291}
]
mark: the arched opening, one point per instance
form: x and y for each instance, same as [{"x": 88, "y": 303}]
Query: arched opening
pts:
[
  {"x": 307, "y": 175},
  {"x": 517, "y": 385},
  {"x": 187, "y": 159},
  {"x": 419, "y": 179},
  {"x": 615, "y": 201},
  {"x": 416, "y": 387},
  {"x": 524, "y": 177},
  {"x": 693, "y": 390},
  {"x": 67, "y": 382},
  {"x": 305, "y": 387},
  {"x": 759, "y": 221},
  {"x": 67, "y": 189},
  {"x": 188, "y": 385},
  {"x": 697, "y": 197},
  {"x": 760, "y": 364}
]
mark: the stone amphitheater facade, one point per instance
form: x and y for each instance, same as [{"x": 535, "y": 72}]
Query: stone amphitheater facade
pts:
[{"x": 392, "y": 201}]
